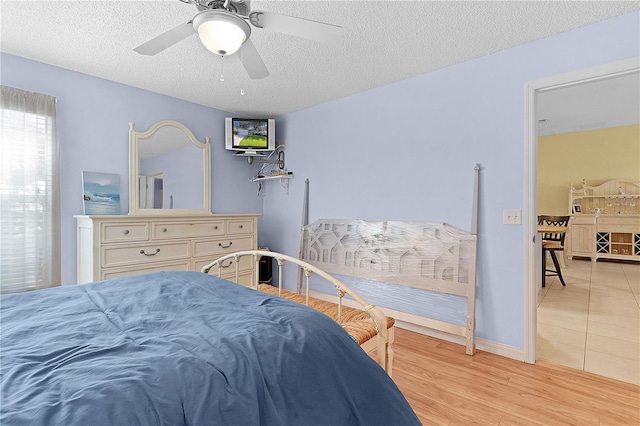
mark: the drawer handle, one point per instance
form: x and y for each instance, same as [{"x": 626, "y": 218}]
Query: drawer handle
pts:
[
  {"x": 150, "y": 254},
  {"x": 164, "y": 229},
  {"x": 241, "y": 226},
  {"x": 230, "y": 242},
  {"x": 215, "y": 227},
  {"x": 230, "y": 263},
  {"x": 126, "y": 232}
]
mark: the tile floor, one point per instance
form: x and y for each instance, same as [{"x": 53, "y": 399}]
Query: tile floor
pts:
[{"x": 593, "y": 324}]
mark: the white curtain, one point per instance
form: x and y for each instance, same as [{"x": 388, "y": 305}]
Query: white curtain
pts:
[{"x": 29, "y": 192}]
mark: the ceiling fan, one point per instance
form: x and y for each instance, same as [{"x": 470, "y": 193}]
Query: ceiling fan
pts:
[{"x": 223, "y": 27}]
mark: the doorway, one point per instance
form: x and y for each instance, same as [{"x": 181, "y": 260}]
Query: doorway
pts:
[
  {"x": 151, "y": 190},
  {"x": 532, "y": 241}
]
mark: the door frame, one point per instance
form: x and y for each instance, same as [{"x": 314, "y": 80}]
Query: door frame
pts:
[{"x": 532, "y": 250}]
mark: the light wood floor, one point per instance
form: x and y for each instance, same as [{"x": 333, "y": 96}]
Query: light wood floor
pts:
[{"x": 447, "y": 387}]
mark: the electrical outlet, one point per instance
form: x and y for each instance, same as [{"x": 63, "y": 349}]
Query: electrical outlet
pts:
[{"x": 511, "y": 217}]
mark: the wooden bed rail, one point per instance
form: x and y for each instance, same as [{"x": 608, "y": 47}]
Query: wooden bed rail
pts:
[{"x": 377, "y": 316}]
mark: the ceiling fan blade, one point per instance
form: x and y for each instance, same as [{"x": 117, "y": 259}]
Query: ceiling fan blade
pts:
[
  {"x": 167, "y": 39},
  {"x": 305, "y": 28},
  {"x": 252, "y": 61}
]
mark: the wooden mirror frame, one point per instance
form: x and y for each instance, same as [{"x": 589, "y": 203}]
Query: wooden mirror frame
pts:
[{"x": 134, "y": 164}]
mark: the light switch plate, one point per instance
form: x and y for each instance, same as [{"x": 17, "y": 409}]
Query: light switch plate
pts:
[{"x": 512, "y": 217}]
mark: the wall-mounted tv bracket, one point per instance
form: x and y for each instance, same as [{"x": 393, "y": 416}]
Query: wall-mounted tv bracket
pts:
[{"x": 279, "y": 161}]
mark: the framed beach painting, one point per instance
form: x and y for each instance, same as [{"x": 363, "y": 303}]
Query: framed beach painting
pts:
[{"x": 101, "y": 193}]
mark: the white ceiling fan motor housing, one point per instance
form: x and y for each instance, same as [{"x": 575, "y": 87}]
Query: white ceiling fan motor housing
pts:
[{"x": 221, "y": 32}]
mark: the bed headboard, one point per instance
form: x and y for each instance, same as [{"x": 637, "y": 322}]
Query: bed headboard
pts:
[
  {"x": 425, "y": 255},
  {"x": 421, "y": 255}
]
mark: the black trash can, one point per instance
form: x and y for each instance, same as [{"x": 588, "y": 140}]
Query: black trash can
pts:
[{"x": 265, "y": 270}]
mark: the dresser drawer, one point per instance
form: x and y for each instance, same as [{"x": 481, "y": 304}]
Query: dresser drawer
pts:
[
  {"x": 164, "y": 266},
  {"x": 218, "y": 247},
  {"x": 244, "y": 278},
  {"x": 123, "y": 232},
  {"x": 163, "y": 230},
  {"x": 240, "y": 226},
  {"x": 144, "y": 254},
  {"x": 228, "y": 266}
]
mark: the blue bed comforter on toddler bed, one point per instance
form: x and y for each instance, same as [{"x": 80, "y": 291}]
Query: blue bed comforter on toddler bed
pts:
[{"x": 183, "y": 348}]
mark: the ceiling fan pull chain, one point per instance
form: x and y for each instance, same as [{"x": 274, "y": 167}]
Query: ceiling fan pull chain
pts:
[
  {"x": 222, "y": 68},
  {"x": 242, "y": 61}
]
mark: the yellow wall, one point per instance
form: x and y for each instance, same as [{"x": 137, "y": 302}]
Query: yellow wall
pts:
[{"x": 594, "y": 155}]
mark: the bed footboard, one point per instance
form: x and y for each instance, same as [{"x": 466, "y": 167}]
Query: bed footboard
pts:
[{"x": 368, "y": 326}]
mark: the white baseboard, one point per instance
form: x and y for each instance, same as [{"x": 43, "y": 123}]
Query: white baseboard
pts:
[{"x": 481, "y": 344}]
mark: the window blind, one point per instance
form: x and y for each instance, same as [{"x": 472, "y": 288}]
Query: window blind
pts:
[{"x": 29, "y": 192}]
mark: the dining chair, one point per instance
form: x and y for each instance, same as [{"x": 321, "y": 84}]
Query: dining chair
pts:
[{"x": 552, "y": 242}]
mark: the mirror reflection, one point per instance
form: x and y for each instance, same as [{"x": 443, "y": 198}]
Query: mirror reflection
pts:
[{"x": 169, "y": 170}]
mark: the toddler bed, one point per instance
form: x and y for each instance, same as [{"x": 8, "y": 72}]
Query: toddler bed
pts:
[{"x": 178, "y": 348}]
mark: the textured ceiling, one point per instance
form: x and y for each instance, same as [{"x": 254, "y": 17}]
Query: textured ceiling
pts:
[
  {"x": 385, "y": 41},
  {"x": 608, "y": 102}
]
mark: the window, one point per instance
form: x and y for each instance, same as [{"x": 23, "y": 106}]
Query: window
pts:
[{"x": 29, "y": 192}]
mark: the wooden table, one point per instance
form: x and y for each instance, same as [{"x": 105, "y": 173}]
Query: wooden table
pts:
[{"x": 549, "y": 229}]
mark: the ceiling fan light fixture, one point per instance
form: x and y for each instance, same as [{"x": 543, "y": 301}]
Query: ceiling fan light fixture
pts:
[{"x": 221, "y": 32}]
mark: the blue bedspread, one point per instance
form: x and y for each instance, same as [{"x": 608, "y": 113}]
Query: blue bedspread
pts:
[{"x": 178, "y": 348}]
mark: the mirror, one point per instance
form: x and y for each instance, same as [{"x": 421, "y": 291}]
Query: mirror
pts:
[{"x": 169, "y": 171}]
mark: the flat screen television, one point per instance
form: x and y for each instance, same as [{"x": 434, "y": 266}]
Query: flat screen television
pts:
[{"x": 250, "y": 136}]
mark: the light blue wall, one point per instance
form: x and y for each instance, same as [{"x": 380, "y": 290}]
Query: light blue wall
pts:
[
  {"x": 93, "y": 131},
  {"x": 406, "y": 151}
]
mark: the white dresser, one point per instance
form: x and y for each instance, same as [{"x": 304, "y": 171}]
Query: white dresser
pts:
[{"x": 111, "y": 246}]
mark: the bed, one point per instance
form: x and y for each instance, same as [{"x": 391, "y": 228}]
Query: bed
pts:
[{"x": 184, "y": 348}]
